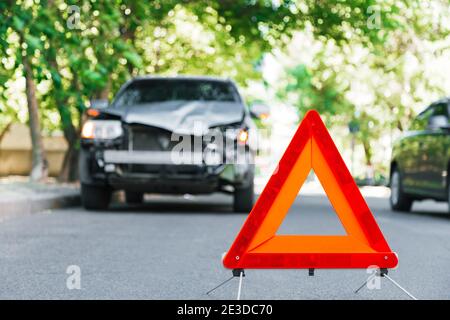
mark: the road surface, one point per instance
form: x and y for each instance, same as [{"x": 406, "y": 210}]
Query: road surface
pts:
[{"x": 171, "y": 247}]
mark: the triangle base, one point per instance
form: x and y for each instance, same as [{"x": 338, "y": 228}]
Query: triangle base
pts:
[{"x": 283, "y": 260}]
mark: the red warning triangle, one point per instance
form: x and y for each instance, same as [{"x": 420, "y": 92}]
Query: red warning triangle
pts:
[{"x": 258, "y": 246}]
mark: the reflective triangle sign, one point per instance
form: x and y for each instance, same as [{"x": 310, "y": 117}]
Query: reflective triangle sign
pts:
[{"x": 258, "y": 246}]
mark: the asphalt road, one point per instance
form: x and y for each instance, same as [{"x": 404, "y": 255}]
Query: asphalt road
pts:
[{"x": 171, "y": 248}]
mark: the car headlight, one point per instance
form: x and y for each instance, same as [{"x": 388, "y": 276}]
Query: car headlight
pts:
[
  {"x": 238, "y": 134},
  {"x": 102, "y": 129}
]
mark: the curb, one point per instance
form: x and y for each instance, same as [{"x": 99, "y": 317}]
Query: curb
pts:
[{"x": 29, "y": 206}]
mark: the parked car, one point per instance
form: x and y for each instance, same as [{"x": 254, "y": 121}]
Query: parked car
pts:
[
  {"x": 155, "y": 137},
  {"x": 421, "y": 159}
]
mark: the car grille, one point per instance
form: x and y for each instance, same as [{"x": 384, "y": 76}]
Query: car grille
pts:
[
  {"x": 145, "y": 138},
  {"x": 164, "y": 170},
  {"x": 142, "y": 138}
]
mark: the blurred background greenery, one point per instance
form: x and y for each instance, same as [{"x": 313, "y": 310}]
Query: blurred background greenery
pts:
[{"x": 367, "y": 66}]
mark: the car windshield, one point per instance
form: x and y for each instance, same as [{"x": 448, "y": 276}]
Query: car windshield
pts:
[{"x": 149, "y": 91}]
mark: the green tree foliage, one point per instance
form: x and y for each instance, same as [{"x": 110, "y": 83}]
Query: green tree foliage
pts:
[
  {"x": 22, "y": 43},
  {"x": 82, "y": 50},
  {"x": 380, "y": 85}
]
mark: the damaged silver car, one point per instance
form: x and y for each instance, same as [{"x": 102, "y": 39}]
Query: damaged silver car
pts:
[{"x": 169, "y": 135}]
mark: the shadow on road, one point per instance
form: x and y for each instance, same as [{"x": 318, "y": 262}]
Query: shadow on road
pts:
[
  {"x": 426, "y": 208},
  {"x": 214, "y": 204},
  {"x": 222, "y": 204},
  {"x": 434, "y": 214},
  {"x": 207, "y": 204},
  {"x": 159, "y": 207}
]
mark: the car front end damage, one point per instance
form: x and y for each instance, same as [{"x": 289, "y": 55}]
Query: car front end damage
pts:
[
  {"x": 171, "y": 135},
  {"x": 145, "y": 159}
]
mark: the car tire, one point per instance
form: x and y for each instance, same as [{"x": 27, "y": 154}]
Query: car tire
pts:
[
  {"x": 448, "y": 195},
  {"x": 134, "y": 197},
  {"x": 243, "y": 198},
  {"x": 95, "y": 197},
  {"x": 399, "y": 200}
]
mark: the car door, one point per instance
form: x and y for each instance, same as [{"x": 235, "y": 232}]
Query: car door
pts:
[
  {"x": 434, "y": 143},
  {"x": 411, "y": 153}
]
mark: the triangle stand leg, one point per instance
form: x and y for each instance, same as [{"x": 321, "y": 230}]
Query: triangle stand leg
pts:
[
  {"x": 237, "y": 273},
  {"x": 218, "y": 286},
  {"x": 400, "y": 287},
  {"x": 382, "y": 273},
  {"x": 366, "y": 282},
  {"x": 241, "y": 277}
]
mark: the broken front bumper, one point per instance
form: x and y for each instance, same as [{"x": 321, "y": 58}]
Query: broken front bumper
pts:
[{"x": 164, "y": 172}]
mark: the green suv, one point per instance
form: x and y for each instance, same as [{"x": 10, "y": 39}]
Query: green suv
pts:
[{"x": 421, "y": 159}]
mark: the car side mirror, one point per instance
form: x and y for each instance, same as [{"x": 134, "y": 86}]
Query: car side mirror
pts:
[
  {"x": 99, "y": 103},
  {"x": 438, "y": 122},
  {"x": 259, "y": 111}
]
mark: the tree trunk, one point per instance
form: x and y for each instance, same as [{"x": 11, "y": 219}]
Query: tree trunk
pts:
[
  {"x": 39, "y": 171},
  {"x": 5, "y": 130},
  {"x": 368, "y": 154},
  {"x": 69, "y": 169},
  {"x": 104, "y": 92}
]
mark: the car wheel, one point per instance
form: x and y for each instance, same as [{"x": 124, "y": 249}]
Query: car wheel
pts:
[
  {"x": 134, "y": 197},
  {"x": 243, "y": 198},
  {"x": 399, "y": 200},
  {"x": 95, "y": 197},
  {"x": 448, "y": 195}
]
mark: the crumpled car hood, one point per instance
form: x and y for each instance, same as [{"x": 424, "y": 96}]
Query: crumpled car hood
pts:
[{"x": 182, "y": 117}]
